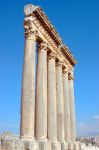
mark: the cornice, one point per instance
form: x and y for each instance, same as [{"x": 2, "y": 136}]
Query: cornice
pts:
[
  {"x": 40, "y": 13},
  {"x": 47, "y": 24}
]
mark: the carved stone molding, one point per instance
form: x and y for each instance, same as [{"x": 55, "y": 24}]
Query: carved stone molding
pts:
[
  {"x": 60, "y": 52},
  {"x": 30, "y": 34},
  {"x": 42, "y": 46},
  {"x": 52, "y": 55},
  {"x": 71, "y": 76},
  {"x": 65, "y": 70},
  {"x": 59, "y": 64},
  {"x": 36, "y": 18}
]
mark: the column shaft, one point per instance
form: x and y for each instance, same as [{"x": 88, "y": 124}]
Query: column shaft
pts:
[
  {"x": 60, "y": 104},
  {"x": 72, "y": 108},
  {"x": 28, "y": 89},
  {"x": 41, "y": 93},
  {"x": 66, "y": 104},
  {"x": 52, "y": 116}
]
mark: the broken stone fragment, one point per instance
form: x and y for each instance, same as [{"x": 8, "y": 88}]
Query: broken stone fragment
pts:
[{"x": 28, "y": 9}]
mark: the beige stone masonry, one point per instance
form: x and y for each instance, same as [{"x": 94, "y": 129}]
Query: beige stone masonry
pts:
[
  {"x": 41, "y": 92},
  {"x": 60, "y": 101},
  {"x": 28, "y": 87},
  {"x": 66, "y": 104},
  {"x": 52, "y": 112},
  {"x": 72, "y": 107}
]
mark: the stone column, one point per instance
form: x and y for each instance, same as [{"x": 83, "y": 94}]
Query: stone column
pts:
[
  {"x": 41, "y": 93},
  {"x": 60, "y": 104},
  {"x": 28, "y": 87},
  {"x": 52, "y": 116},
  {"x": 66, "y": 104},
  {"x": 72, "y": 108}
]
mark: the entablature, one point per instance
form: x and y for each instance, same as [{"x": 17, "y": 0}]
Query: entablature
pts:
[{"x": 37, "y": 20}]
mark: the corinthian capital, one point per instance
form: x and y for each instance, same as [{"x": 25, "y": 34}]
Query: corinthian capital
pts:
[
  {"x": 30, "y": 34},
  {"x": 59, "y": 64},
  {"x": 71, "y": 76},
  {"x": 42, "y": 46},
  {"x": 52, "y": 55},
  {"x": 65, "y": 70}
]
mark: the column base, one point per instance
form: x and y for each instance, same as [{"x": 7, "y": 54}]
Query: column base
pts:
[
  {"x": 77, "y": 146},
  {"x": 64, "y": 146},
  {"x": 54, "y": 145},
  {"x": 30, "y": 145},
  {"x": 42, "y": 144},
  {"x": 27, "y": 138},
  {"x": 74, "y": 146}
]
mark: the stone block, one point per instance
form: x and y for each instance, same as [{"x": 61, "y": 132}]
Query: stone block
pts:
[
  {"x": 75, "y": 146},
  {"x": 81, "y": 145},
  {"x": 30, "y": 145},
  {"x": 6, "y": 144},
  {"x": 70, "y": 146},
  {"x": 12, "y": 144},
  {"x": 28, "y": 9},
  {"x": 64, "y": 146},
  {"x": 55, "y": 145},
  {"x": 43, "y": 145}
]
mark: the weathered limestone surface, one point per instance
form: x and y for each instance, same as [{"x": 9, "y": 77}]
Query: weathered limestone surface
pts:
[
  {"x": 52, "y": 116},
  {"x": 72, "y": 108},
  {"x": 28, "y": 9},
  {"x": 41, "y": 94},
  {"x": 66, "y": 104},
  {"x": 11, "y": 142},
  {"x": 55, "y": 146},
  {"x": 28, "y": 88},
  {"x": 60, "y": 103}
]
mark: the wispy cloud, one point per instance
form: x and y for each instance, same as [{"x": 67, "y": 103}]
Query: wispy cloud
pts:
[
  {"x": 90, "y": 128},
  {"x": 82, "y": 125},
  {"x": 96, "y": 117}
]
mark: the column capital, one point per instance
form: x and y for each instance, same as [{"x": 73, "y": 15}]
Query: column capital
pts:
[
  {"x": 52, "y": 55},
  {"x": 59, "y": 64},
  {"x": 42, "y": 46},
  {"x": 31, "y": 34},
  {"x": 71, "y": 76},
  {"x": 65, "y": 70}
]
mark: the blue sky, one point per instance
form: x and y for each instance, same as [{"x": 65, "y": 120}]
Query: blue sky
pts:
[{"x": 77, "y": 22}]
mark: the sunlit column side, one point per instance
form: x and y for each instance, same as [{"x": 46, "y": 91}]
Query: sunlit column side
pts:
[
  {"x": 52, "y": 116},
  {"x": 72, "y": 107},
  {"x": 28, "y": 87},
  {"x": 60, "y": 104},
  {"x": 41, "y": 92},
  {"x": 66, "y": 104}
]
